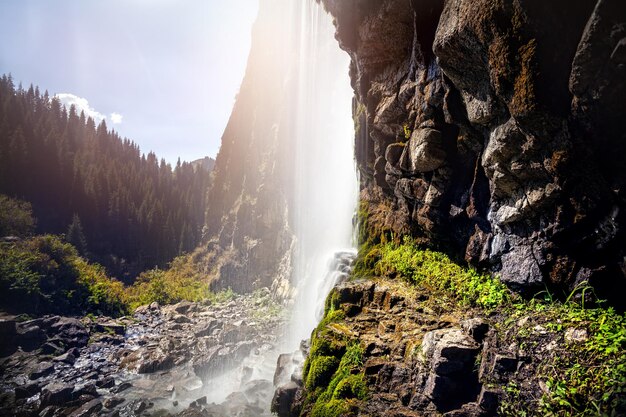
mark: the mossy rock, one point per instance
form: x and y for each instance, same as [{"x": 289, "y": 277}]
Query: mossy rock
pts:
[
  {"x": 353, "y": 386},
  {"x": 320, "y": 371}
]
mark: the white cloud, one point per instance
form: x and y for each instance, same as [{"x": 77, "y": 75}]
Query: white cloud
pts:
[
  {"x": 82, "y": 105},
  {"x": 116, "y": 118}
]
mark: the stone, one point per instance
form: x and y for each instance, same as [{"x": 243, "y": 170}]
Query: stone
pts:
[
  {"x": 8, "y": 328},
  {"x": 282, "y": 402},
  {"x": 134, "y": 408},
  {"x": 489, "y": 399},
  {"x": 283, "y": 368},
  {"x": 110, "y": 326},
  {"x": 42, "y": 369},
  {"x": 121, "y": 387},
  {"x": 574, "y": 335},
  {"x": 27, "y": 391},
  {"x": 68, "y": 357},
  {"x": 424, "y": 152},
  {"x": 30, "y": 338},
  {"x": 56, "y": 394},
  {"x": 88, "y": 409},
  {"x": 477, "y": 328},
  {"x": 86, "y": 388},
  {"x": 393, "y": 153},
  {"x": 520, "y": 268},
  {"x": 71, "y": 331},
  {"x": 450, "y": 355},
  {"x": 181, "y": 319},
  {"x": 184, "y": 307},
  {"x": 112, "y": 402},
  {"x": 504, "y": 364},
  {"x": 106, "y": 382}
]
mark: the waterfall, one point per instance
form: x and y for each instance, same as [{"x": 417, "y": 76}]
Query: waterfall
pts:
[
  {"x": 325, "y": 175},
  {"x": 312, "y": 118}
]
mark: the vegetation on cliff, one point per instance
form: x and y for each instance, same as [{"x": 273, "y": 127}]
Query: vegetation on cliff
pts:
[
  {"x": 572, "y": 356},
  {"x": 586, "y": 378}
]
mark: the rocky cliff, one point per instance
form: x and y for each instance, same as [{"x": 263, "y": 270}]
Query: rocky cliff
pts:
[
  {"x": 247, "y": 233},
  {"x": 491, "y": 130}
]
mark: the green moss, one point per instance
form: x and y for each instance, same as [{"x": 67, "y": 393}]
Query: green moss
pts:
[
  {"x": 435, "y": 270},
  {"x": 339, "y": 393},
  {"x": 352, "y": 386},
  {"x": 320, "y": 371},
  {"x": 407, "y": 131}
]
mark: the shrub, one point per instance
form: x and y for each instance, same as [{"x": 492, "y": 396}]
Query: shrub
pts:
[{"x": 16, "y": 217}]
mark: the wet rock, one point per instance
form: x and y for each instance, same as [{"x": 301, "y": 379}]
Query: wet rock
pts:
[
  {"x": 106, "y": 382},
  {"x": 283, "y": 368},
  {"x": 134, "y": 408},
  {"x": 30, "y": 338},
  {"x": 112, "y": 402},
  {"x": 283, "y": 400},
  {"x": 68, "y": 357},
  {"x": 198, "y": 403},
  {"x": 121, "y": 387},
  {"x": 27, "y": 391},
  {"x": 56, "y": 394},
  {"x": 109, "y": 326},
  {"x": 149, "y": 360},
  {"x": 49, "y": 411},
  {"x": 42, "y": 369},
  {"x": 71, "y": 331},
  {"x": 207, "y": 328},
  {"x": 53, "y": 347},
  {"x": 8, "y": 332},
  {"x": 88, "y": 409},
  {"x": 87, "y": 388}
]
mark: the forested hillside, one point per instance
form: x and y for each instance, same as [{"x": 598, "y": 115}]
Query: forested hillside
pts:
[{"x": 119, "y": 207}]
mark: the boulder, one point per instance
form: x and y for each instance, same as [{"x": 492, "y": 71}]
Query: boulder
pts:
[
  {"x": 41, "y": 370},
  {"x": 30, "y": 338},
  {"x": 88, "y": 409},
  {"x": 71, "y": 331},
  {"x": 56, "y": 394},
  {"x": 283, "y": 400},
  {"x": 450, "y": 355},
  {"x": 424, "y": 152}
]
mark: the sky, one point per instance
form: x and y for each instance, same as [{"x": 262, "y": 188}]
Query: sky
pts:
[{"x": 163, "y": 73}]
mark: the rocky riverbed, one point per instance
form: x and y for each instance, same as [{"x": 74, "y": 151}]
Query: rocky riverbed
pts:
[{"x": 185, "y": 359}]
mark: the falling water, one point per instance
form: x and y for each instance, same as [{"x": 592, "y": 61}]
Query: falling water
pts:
[{"x": 326, "y": 184}]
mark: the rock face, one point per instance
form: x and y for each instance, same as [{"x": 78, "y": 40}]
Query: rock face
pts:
[
  {"x": 492, "y": 129},
  {"x": 247, "y": 234}
]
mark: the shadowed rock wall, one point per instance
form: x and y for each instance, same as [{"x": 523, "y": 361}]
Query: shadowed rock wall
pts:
[
  {"x": 493, "y": 130},
  {"x": 247, "y": 233}
]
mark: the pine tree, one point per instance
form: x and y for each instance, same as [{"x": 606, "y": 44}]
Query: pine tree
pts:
[{"x": 76, "y": 236}]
